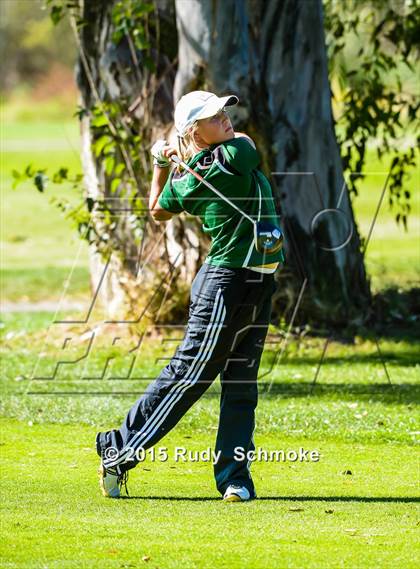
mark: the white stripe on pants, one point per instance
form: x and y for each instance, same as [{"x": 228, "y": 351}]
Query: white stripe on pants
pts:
[{"x": 204, "y": 354}]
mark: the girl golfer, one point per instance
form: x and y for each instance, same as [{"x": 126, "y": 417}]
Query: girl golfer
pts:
[{"x": 230, "y": 302}]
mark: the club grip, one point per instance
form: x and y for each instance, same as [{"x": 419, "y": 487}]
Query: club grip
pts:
[{"x": 175, "y": 159}]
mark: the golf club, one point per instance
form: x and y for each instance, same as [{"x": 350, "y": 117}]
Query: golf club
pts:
[{"x": 268, "y": 237}]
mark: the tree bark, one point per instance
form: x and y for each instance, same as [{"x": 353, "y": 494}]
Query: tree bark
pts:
[
  {"x": 106, "y": 72},
  {"x": 272, "y": 55}
]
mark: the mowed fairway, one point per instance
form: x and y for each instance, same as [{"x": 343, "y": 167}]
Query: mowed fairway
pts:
[
  {"x": 308, "y": 515},
  {"x": 357, "y": 507}
]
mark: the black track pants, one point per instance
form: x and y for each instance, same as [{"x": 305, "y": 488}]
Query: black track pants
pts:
[{"x": 227, "y": 325}]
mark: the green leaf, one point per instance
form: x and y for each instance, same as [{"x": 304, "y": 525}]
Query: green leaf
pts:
[
  {"x": 40, "y": 181},
  {"x": 81, "y": 112},
  {"x": 63, "y": 172},
  {"x": 119, "y": 168},
  {"x": 114, "y": 184},
  {"x": 59, "y": 176},
  {"x": 99, "y": 120},
  {"x": 109, "y": 163},
  {"x": 100, "y": 144},
  {"x": 394, "y": 162},
  {"x": 56, "y": 14},
  {"x": 90, "y": 202},
  {"x": 28, "y": 171}
]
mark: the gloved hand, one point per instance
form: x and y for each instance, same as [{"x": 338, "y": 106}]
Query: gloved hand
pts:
[{"x": 160, "y": 159}]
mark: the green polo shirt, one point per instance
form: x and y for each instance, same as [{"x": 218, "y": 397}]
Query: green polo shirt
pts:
[{"x": 232, "y": 168}]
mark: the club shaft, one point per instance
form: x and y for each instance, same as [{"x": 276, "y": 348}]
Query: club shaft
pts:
[{"x": 177, "y": 160}]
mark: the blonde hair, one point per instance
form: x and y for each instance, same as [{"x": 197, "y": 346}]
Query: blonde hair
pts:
[{"x": 186, "y": 145}]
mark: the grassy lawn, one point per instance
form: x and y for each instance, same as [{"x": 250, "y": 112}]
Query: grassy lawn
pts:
[
  {"x": 393, "y": 254},
  {"x": 352, "y": 399},
  {"x": 309, "y": 515},
  {"x": 357, "y": 507},
  {"x": 39, "y": 247}
]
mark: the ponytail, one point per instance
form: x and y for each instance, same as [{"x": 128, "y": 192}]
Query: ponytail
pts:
[{"x": 186, "y": 145}]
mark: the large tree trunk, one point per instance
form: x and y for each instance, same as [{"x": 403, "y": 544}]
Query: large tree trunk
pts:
[
  {"x": 272, "y": 55},
  {"x": 110, "y": 71}
]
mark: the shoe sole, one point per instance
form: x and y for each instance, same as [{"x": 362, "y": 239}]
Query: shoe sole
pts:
[{"x": 233, "y": 498}]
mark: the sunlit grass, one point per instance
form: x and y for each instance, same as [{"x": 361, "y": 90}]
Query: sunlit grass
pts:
[
  {"x": 351, "y": 400},
  {"x": 308, "y": 515}
]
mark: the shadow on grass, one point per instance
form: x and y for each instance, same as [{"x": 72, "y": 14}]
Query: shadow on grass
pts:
[
  {"x": 366, "y": 499},
  {"x": 406, "y": 358},
  {"x": 404, "y": 393}
]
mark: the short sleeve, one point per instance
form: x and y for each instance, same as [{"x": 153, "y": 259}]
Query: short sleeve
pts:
[
  {"x": 241, "y": 155},
  {"x": 168, "y": 198}
]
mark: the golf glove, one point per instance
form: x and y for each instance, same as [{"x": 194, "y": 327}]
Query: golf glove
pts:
[{"x": 158, "y": 158}]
